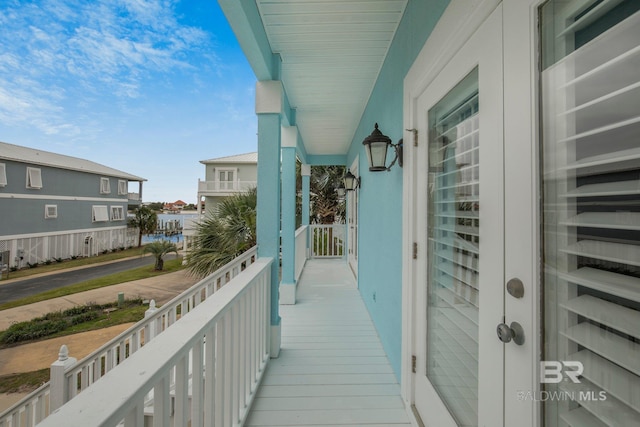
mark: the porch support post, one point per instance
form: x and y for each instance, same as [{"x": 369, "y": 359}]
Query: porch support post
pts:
[
  {"x": 268, "y": 108},
  {"x": 306, "y": 180},
  {"x": 288, "y": 284}
]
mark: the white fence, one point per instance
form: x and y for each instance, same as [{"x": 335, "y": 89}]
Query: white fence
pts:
[
  {"x": 327, "y": 241},
  {"x": 77, "y": 377}
]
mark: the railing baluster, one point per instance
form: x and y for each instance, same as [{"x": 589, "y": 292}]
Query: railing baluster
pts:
[
  {"x": 161, "y": 403},
  {"x": 197, "y": 378},
  {"x": 220, "y": 368},
  {"x": 135, "y": 417},
  {"x": 181, "y": 417},
  {"x": 210, "y": 357}
]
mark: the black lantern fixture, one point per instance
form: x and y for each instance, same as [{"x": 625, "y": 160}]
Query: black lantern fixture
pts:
[
  {"x": 376, "y": 146},
  {"x": 350, "y": 181}
]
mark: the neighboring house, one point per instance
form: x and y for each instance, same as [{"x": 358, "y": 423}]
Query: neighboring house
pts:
[
  {"x": 176, "y": 206},
  {"x": 225, "y": 176},
  {"x": 55, "y": 206}
]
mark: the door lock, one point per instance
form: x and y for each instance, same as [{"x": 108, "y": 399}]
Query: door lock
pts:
[{"x": 514, "y": 332}]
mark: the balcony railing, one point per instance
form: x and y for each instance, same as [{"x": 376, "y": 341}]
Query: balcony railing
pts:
[
  {"x": 204, "y": 371},
  {"x": 327, "y": 241},
  {"x": 302, "y": 238},
  {"x": 78, "y": 377},
  {"x": 134, "y": 197},
  {"x": 205, "y": 187}
]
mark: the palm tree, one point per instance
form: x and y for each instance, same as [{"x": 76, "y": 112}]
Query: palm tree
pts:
[
  {"x": 326, "y": 207},
  {"x": 224, "y": 234},
  {"x": 145, "y": 220},
  {"x": 159, "y": 249}
]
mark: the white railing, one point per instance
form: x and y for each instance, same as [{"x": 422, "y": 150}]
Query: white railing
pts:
[
  {"x": 225, "y": 186},
  {"x": 302, "y": 237},
  {"x": 77, "y": 377},
  {"x": 133, "y": 196},
  {"x": 327, "y": 241},
  {"x": 205, "y": 371}
]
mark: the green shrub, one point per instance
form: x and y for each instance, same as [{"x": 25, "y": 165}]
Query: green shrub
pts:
[
  {"x": 84, "y": 317},
  {"x": 26, "y": 331}
]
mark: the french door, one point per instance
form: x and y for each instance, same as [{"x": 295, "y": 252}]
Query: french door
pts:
[
  {"x": 528, "y": 202},
  {"x": 460, "y": 361}
]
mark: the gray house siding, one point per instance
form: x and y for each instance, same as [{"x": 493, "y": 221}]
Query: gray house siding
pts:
[{"x": 70, "y": 213}]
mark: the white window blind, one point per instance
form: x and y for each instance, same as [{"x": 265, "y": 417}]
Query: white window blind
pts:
[
  {"x": 123, "y": 187},
  {"x": 34, "y": 178},
  {"x": 117, "y": 213},
  {"x": 591, "y": 165},
  {"x": 51, "y": 211},
  {"x": 105, "y": 186},
  {"x": 100, "y": 213},
  {"x": 453, "y": 272},
  {"x": 3, "y": 174}
]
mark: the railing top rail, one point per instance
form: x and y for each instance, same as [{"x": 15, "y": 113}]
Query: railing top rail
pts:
[
  {"x": 301, "y": 229},
  {"x": 120, "y": 388}
]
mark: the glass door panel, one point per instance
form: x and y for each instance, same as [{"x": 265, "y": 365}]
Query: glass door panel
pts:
[
  {"x": 591, "y": 207},
  {"x": 453, "y": 238}
]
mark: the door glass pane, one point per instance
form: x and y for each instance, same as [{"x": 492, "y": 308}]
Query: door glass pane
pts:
[
  {"x": 591, "y": 212},
  {"x": 453, "y": 225}
]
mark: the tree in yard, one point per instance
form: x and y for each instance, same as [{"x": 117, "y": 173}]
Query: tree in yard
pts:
[
  {"x": 224, "y": 234},
  {"x": 326, "y": 206},
  {"x": 145, "y": 220},
  {"x": 159, "y": 249}
]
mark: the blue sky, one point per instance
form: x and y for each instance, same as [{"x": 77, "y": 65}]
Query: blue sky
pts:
[{"x": 149, "y": 87}]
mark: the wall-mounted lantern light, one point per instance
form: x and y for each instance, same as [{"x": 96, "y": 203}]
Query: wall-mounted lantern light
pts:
[
  {"x": 376, "y": 146},
  {"x": 350, "y": 181},
  {"x": 341, "y": 190}
]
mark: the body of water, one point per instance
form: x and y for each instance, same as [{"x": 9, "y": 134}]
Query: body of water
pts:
[{"x": 168, "y": 221}]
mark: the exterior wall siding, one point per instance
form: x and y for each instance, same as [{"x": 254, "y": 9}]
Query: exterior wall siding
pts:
[
  {"x": 25, "y": 229},
  {"x": 380, "y": 218}
]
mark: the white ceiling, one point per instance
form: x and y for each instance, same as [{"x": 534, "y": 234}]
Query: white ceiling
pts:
[{"x": 332, "y": 52}]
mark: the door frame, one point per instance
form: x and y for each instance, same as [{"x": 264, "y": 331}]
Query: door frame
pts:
[{"x": 522, "y": 246}]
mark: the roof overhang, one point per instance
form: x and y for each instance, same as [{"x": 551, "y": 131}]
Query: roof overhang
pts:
[{"x": 327, "y": 53}]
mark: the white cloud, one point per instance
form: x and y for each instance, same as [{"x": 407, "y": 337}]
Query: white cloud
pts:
[{"x": 62, "y": 53}]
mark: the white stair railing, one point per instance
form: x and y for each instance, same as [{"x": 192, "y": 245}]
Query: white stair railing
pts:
[
  {"x": 327, "y": 241},
  {"x": 79, "y": 376},
  {"x": 205, "y": 371}
]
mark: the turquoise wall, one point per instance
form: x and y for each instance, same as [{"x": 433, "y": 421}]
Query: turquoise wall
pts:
[{"x": 380, "y": 217}]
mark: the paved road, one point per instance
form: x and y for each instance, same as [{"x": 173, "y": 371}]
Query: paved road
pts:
[{"x": 27, "y": 287}]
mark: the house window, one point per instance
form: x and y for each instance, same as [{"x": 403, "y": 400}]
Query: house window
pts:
[
  {"x": 123, "y": 188},
  {"x": 50, "y": 211},
  {"x": 100, "y": 213},
  {"x": 590, "y": 87},
  {"x": 117, "y": 213},
  {"x": 3, "y": 175},
  {"x": 226, "y": 179},
  {"x": 105, "y": 186},
  {"x": 34, "y": 178}
]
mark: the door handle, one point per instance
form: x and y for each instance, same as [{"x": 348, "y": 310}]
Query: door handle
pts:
[{"x": 507, "y": 333}]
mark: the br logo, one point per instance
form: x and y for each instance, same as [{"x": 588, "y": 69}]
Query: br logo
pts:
[{"x": 553, "y": 372}]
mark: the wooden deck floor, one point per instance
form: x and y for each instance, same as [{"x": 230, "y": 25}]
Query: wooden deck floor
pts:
[{"x": 332, "y": 369}]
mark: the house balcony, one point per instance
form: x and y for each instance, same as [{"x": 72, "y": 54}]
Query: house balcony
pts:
[
  {"x": 331, "y": 368},
  {"x": 223, "y": 188}
]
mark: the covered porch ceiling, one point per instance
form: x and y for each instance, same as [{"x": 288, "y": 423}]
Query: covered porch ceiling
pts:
[{"x": 327, "y": 53}]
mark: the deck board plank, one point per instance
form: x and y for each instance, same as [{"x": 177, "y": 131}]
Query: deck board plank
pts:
[{"x": 332, "y": 369}]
